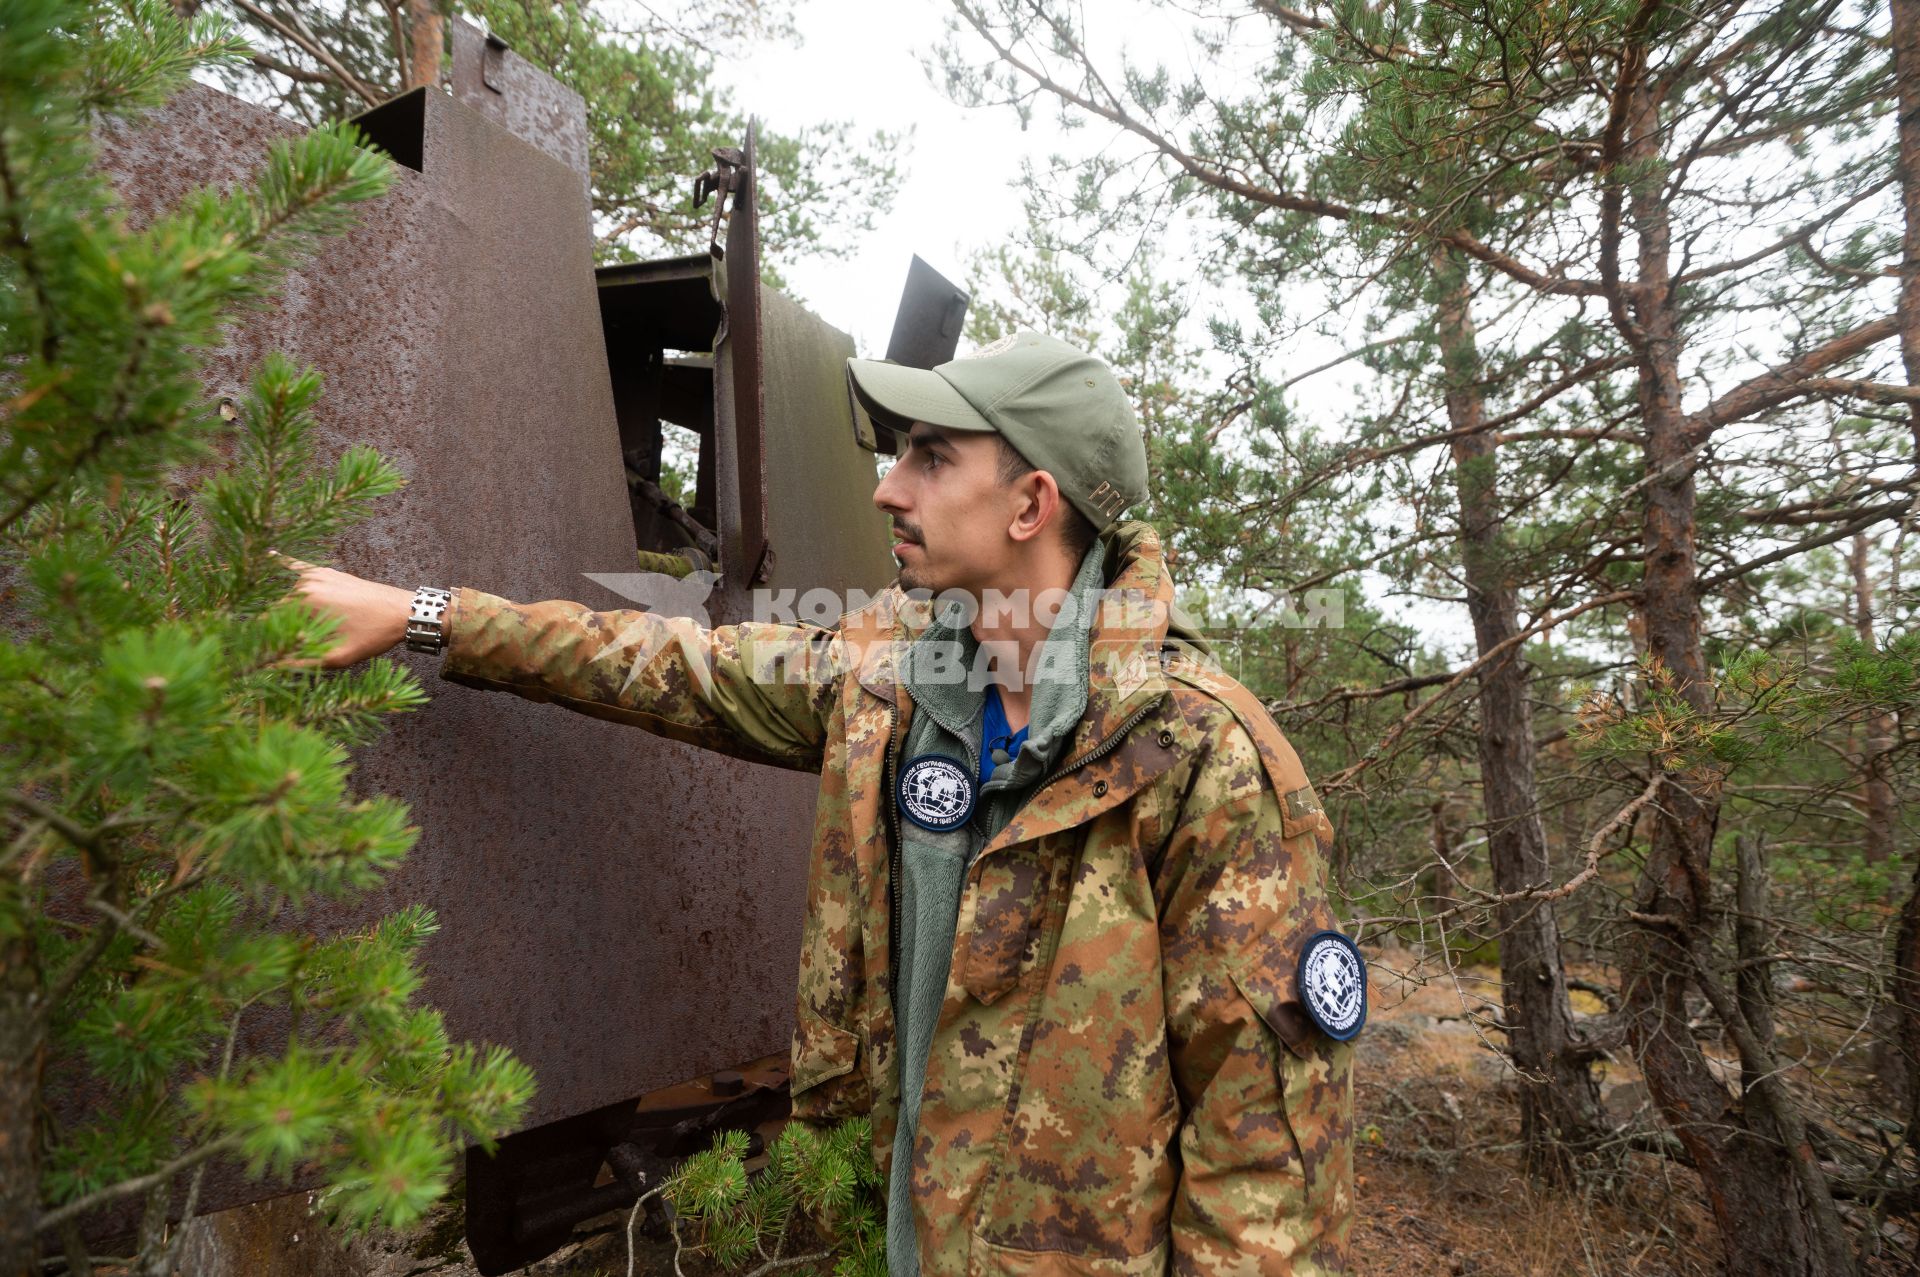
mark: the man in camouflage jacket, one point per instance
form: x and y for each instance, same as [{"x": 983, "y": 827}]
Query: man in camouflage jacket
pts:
[{"x": 1123, "y": 1075}]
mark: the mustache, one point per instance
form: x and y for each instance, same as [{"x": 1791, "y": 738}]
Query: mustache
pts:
[{"x": 907, "y": 532}]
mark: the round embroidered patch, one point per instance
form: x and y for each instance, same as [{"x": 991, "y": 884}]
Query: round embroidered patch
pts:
[
  {"x": 936, "y": 793},
  {"x": 1333, "y": 984}
]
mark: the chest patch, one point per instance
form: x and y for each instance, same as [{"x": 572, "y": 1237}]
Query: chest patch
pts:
[
  {"x": 1333, "y": 984},
  {"x": 935, "y": 793}
]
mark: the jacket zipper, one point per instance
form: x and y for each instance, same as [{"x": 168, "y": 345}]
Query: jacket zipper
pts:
[
  {"x": 1104, "y": 747},
  {"x": 893, "y": 857}
]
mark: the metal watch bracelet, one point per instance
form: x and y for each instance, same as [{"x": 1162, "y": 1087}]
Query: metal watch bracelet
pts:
[{"x": 425, "y": 631}]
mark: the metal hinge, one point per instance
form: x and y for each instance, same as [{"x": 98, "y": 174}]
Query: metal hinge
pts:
[
  {"x": 726, "y": 177},
  {"x": 491, "y": 58}
]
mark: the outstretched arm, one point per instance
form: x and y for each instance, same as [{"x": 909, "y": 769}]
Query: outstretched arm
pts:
[
  {"x": 757, "y": 691},
  {"x": 761, "y": 692}
]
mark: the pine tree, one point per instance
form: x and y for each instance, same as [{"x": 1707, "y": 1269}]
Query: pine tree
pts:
[
  {"x": 744, "y": 1221},
  {"x": 173, "y": 765}
]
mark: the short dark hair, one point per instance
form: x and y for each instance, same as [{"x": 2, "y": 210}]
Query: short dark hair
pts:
[{"x": 1076, "y": 530}]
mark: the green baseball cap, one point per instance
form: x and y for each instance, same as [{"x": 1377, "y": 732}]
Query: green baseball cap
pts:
[{"x": 1059, "y": 407}]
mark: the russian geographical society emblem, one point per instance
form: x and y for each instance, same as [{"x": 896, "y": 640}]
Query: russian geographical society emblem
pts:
[
  {"x": 1333, "y": 984},
  {"x": 936, "y": 793}
]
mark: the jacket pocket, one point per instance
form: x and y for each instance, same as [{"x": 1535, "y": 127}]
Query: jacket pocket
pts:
[
  {"x": 827, "y": 1085},
  {"x": 1085, "y": 1181},
  {"x": 1268, "y": 980},
  {"x": 1010, "y": 891},
  {"x": 1314, "y": 1074}
]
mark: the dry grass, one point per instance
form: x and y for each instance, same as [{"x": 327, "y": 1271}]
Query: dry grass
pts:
[{"x": 1441, "y": 1189}]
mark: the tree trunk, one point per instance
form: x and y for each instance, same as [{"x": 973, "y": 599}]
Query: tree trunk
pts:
[
  {"x": 22, "y": 1047},
  {"x": 1770, "y": 1200},
  {"x": 1560, "y": 1112},
  {"x": 1905, "y": 33},
  {"x": 1753, "y": 944},
  {"x": 1893, "y": 1049},
  {"x": 1440, "y": 881},
  {"x": 427, "y": 38},
  {"x": 1906, "y": 1001},
  {"x": 1876, "y": 794}
]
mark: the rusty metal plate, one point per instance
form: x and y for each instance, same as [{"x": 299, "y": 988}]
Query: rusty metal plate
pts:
[
  {"x": 822, "y": 517},
  {"x": 930, "y": 319},
  {"x": 622, "y": 911},
  {"x": 738, "y": 359},
  {"x": 490, "y": 78},
  {"x": 926, "y": 332}
]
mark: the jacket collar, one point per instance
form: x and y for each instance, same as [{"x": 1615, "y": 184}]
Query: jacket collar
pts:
[
  {"x": 1136, "y": 618},
  {"x": 1114, "y": 752},
  {"x": 1061, "y": 664},
  {"x": 1135, "y": 621}
]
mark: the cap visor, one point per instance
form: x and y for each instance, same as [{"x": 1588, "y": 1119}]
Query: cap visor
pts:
[{"x": 901, "y": 395}]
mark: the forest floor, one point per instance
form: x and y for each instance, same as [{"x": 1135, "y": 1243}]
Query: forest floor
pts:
[
  {"x": 1441, "y": 1183},
  {"x": 1441, "y": 1190}
]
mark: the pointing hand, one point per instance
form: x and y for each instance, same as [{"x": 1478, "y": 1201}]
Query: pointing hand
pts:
[{"x": 373, "y": 616}]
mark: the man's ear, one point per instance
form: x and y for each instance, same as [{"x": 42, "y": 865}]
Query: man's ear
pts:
[{"x": 1038, "y": 502}]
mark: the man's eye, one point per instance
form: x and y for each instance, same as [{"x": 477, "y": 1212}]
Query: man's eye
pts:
[{"x": 935, "y": 459}]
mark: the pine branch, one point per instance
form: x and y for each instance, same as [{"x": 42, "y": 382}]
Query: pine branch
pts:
[
  {"x": 1217, "y": 177},
  {"x": 21, "y": 249},
  {"x": 1788, "y": 381},
  {"x": 83, "y": 1206},
  {"x": 139, "y": 63},
  {"x": 142, "y": 677},
  {"x": 102, "y": 436}
]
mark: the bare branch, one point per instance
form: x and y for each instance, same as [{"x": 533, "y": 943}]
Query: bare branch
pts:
[
  {"x": 1789, "y": 381},
  {"x": 1346, "y": 774},
  {"x": 1871, "y": 516},
  {"x": 1221, "y": 180},
  {"x": 80, "y": 1206},
  {"x": 267, "y": 62},
  {"x": 301, "y": 37}
]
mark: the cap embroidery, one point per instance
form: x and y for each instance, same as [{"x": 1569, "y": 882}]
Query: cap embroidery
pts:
[{"x": 1107, "y": 499}]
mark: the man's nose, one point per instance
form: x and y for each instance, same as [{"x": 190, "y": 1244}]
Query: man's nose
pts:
[{"x": 889, "y": 494}]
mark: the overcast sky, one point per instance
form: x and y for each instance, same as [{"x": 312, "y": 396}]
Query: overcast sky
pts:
[{"x": 862, "y": 62}]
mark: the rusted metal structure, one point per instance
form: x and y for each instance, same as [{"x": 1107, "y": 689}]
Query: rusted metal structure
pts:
[{"x": 620, "y": 910}]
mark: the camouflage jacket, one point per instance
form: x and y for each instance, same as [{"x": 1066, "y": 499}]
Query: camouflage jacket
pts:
[{"x": 1122, "y": 1078}]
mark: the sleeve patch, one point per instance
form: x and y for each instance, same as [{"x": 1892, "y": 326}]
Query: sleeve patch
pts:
[{"x": 1333, "y": 984}]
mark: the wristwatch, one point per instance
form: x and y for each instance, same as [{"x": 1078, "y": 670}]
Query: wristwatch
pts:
[{"x": 424, "y": 630}]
